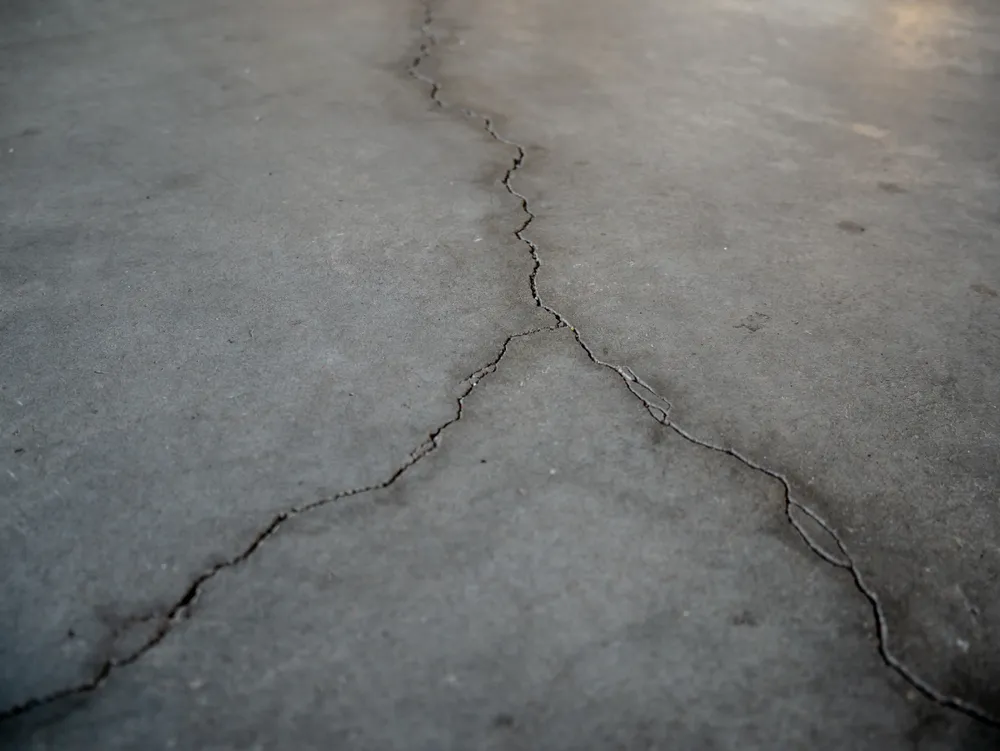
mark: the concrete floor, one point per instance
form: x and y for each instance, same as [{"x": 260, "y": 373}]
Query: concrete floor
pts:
[{"x": 492, "y": 374}]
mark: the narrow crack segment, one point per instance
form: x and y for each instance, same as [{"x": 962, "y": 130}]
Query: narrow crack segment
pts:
[
  {"x": 659, "y": 406},
  {"x": 181, "y": 608}
]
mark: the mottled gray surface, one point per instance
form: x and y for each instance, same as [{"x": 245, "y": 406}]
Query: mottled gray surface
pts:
[{"x": 248, "y": 264}]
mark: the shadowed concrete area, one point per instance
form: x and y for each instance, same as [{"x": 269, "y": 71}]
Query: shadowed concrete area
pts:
[{"x": 383, "y": 375}]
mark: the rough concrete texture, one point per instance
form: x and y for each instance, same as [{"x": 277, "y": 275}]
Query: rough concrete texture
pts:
[{"x": 284, "y": 466}]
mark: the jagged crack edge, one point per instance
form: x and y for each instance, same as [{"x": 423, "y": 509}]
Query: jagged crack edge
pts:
[
  {"x": 658, "y": 406},
  {"x": 182, "y": 606}
]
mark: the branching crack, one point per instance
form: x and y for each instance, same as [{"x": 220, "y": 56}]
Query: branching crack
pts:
[
  {"x": 181, "y": 608},
  {"x": 655, "y": 404},
  {"x": 659, "y": 406}
]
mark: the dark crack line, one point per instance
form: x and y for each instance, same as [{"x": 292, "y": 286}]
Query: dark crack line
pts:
[
  {"x": 181, "y": 608},
  {"x": 659, "y": 406}
]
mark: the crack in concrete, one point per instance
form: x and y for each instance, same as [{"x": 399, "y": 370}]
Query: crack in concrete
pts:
[
  {"x": 181, "y": 607},
  {"x": 659, "y": 406},
  {"x": 658, "y": 410}
]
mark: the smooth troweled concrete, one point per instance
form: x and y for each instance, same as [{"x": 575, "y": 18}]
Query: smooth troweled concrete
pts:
[{"x": 290, "y": 457}]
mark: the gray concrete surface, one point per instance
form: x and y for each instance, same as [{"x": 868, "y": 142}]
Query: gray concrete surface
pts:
[
  {"x": 279, "y": 470},
  {"x": 241, "y": 272},
  {"x": 786, "y": 217}
]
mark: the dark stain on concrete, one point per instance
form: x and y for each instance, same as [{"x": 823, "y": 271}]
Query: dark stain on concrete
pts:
[
  {"x": 893, "y": 188},
  {"x": 850, "y": 227},
  {"x": 503, "y": 720}
]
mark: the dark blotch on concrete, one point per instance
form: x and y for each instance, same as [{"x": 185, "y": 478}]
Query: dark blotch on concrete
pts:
[
  {"x": 892, "y": 188},
  {"x": 852, "y": 227},
  {"x": 503, "y": 720},
  {"x": 753, "y": 322}
]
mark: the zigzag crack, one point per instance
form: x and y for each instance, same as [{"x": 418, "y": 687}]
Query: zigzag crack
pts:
[
  {"x": 181, "y": 608},
  {"x": 659, "y": 407}
]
